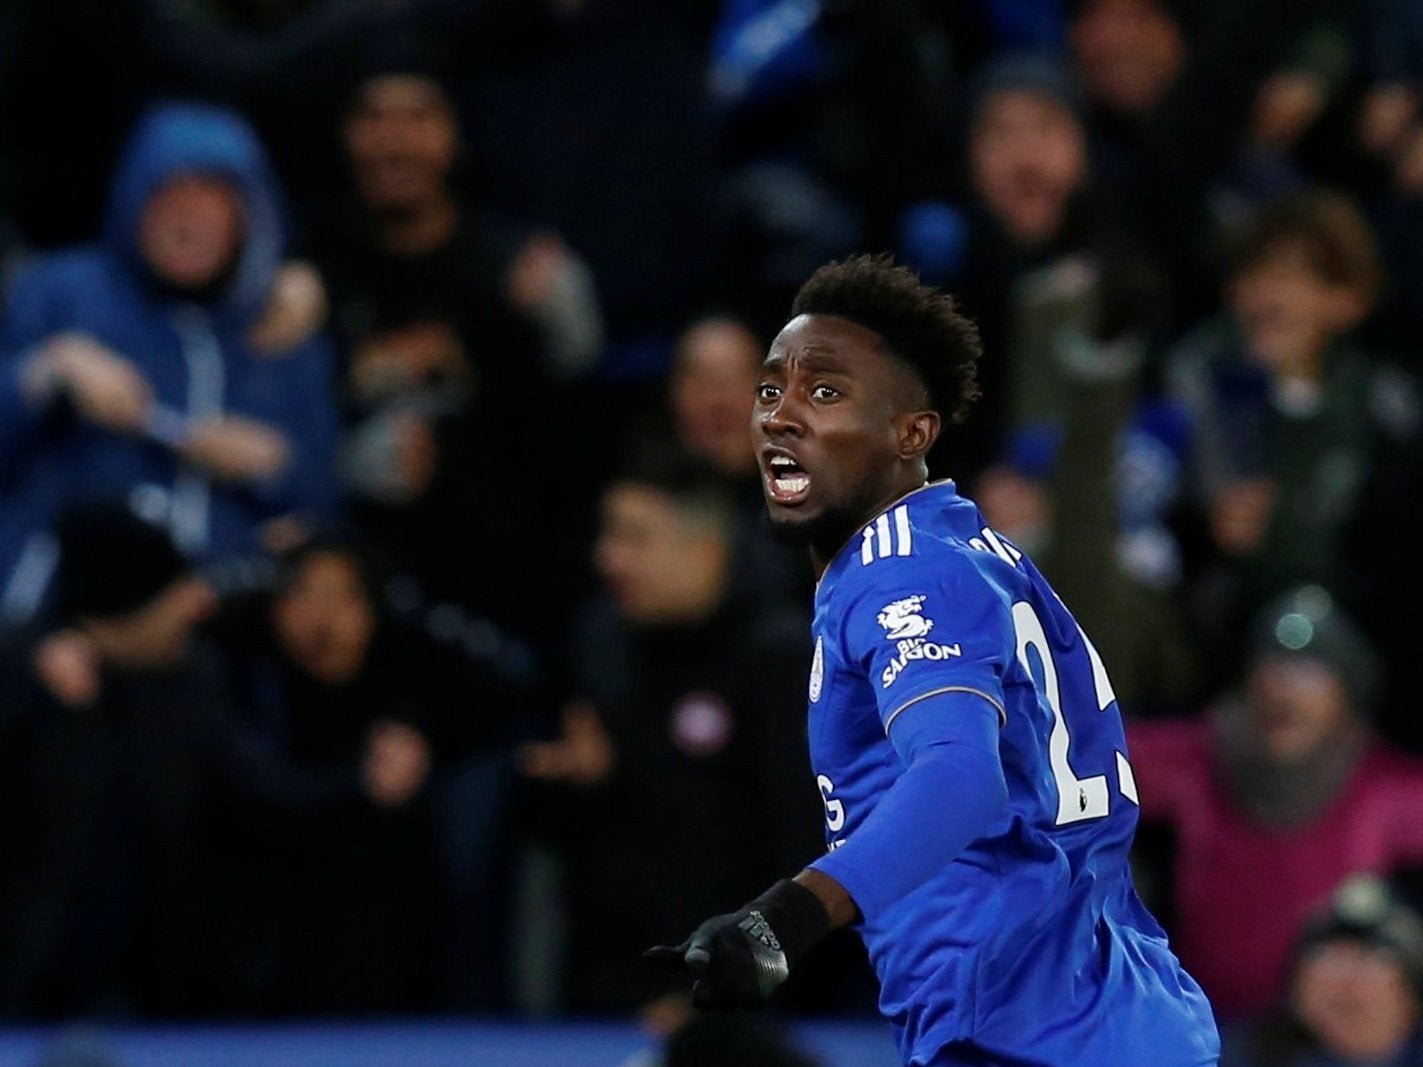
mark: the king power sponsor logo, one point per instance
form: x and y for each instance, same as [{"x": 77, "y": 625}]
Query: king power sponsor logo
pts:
[{"x": 906, "y": 625}]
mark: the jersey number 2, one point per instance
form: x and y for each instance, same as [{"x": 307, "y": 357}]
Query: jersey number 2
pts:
[{"x": 1078, "y": 799}]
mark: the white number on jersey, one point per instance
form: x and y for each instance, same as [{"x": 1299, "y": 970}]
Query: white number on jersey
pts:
[{"x": 1077, "y": 798}]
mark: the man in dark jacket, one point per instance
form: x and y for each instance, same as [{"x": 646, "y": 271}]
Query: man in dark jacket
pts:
[
  {"x": 685, "y": 744},
  {"x": 131, "y": 790},
  {"x": 433, "y": 705}
]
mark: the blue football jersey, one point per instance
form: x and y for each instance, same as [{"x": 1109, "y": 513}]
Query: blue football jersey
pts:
[{"x": 1031, "y": 947}]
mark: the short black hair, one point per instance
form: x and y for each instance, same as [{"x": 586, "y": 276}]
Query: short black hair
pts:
[{"x": 922, "y": 326}]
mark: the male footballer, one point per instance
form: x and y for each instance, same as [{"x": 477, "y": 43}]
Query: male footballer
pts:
[{"x": 979, "y": 798}]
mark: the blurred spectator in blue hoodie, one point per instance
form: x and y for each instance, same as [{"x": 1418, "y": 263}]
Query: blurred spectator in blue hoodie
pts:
[{"x": 161, "y": 361}]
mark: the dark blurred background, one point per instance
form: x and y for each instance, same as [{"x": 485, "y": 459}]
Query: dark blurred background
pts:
[{"x": 388, "y": 622}]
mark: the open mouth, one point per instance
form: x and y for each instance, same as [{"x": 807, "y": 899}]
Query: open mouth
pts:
[{"x": 787, "y": 482}]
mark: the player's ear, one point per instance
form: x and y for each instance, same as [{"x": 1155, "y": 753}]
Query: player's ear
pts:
[{"x": 918, "y": 430}]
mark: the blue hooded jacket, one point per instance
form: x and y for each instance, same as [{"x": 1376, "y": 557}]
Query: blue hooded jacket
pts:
[{"x": 195, "y": 356}]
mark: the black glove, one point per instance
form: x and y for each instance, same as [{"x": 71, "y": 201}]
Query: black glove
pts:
[{"x": 742, "y": 957}]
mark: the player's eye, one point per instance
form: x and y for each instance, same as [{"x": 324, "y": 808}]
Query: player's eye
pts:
[
  {"x": 766, "y": 391},
  {"x": 825, "y": 392}
]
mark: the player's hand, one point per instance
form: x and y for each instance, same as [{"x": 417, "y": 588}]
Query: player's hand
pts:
[{"x": 740, "y": 959}]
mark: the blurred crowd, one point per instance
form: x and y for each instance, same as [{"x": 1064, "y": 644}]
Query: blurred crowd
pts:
[{"x": 388, "y": 622}]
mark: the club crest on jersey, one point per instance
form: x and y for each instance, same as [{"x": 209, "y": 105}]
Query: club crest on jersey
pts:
[
  {"x": 904, "y": 618},
  {"x": 905, "y": 624}
]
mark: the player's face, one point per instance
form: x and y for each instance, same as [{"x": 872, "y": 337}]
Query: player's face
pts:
[{"x": 836, "y": 429}]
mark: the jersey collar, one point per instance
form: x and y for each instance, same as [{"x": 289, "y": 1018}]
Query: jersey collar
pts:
[{"x": 840, "y": 553}]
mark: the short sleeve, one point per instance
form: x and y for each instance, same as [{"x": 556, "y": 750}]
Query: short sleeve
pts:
[{"x": 928, "y": 627}]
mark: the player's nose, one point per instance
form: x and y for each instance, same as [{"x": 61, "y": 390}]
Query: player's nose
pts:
[{"x": 781, "y": 420}]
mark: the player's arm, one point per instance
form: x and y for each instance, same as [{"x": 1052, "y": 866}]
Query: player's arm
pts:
[
  {"x": 940, "y": 697},
  {"x": 951, "y": 793},
  {"x": 943, "y": 714}
]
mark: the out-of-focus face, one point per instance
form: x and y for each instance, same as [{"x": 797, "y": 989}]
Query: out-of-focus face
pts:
[
  {"x": 659, "y": 565},
  {"x": 1128, "y": 53},
  {"x": 324, "y": 619},
  {"x": 713, "y": 389},
  {"x": 1355, "y": 999},
  {"x": 1288, "y": 312},
  {"x": 1015, "y": 506},
  {"x": 1297, "y": 707},
  {"x": 832, "y": 413},
  {"x": 1029, "y": 155},
  {"x": 402, "y": 138},
  {"x": 191, "y": 230}
]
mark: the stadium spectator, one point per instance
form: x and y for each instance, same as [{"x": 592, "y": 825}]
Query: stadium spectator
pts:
[
  {"x": 1353, "y": 996},
  {"x": 1308, "y": 80},
  {"x": 1392, "y": 57},
  {"x": 1296, "y": 430},
  {"x": 145, "y": 363},
  {"x": 1164, "y": 83},
  {"x": 342, "y": 680},
  {"x": 447, "y": 315},
  {"x": 713, "y": 383},
  {"x": 624, "y": 173},
  {"x": 131, "y": 789},
  {"x": 1037, "y": 223},
  {"x": 1388, "y": 175},
  {"x": 713, "y": 378},
  {"x": 686, "y": 728},
  {"x": 830, "y": 118},
  {"x": 1088, "y": 494},
  {"x": 1275, "y": 797},
  {"x": 284, "y": 64}
]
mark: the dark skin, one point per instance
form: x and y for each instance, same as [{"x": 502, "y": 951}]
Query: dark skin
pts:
[{"x": 855, "y": 423}]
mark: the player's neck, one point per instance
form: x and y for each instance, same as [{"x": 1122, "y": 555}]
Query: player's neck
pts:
[{"x": 823, "y": 552}]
